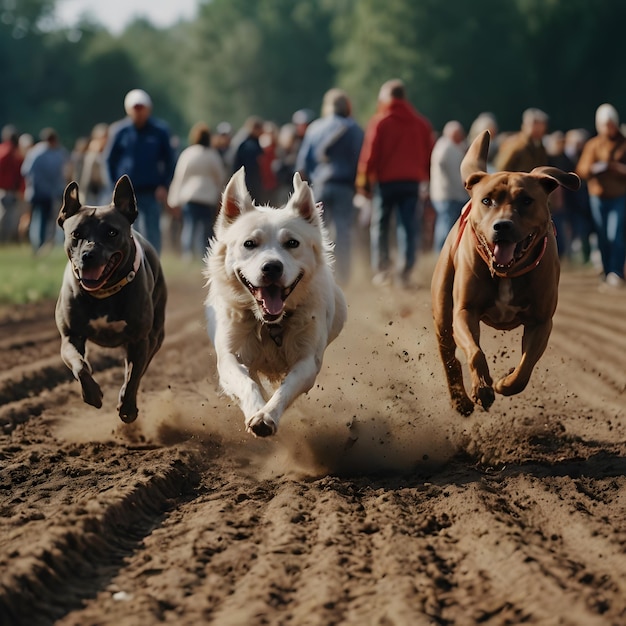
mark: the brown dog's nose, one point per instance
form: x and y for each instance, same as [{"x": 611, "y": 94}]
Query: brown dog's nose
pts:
[
  {"x": 503, "y": 227},
  {"x": 272, "y": 270}
]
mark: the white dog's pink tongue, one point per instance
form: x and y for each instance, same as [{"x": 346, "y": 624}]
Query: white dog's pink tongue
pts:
[
  {"x": 503, "y": 252},
  {"x": 272, "y": 300}
]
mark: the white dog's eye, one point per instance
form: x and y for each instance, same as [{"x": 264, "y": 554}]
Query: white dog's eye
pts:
[
  {"x": 249, "y": 244},
  {"x": 292, "y": 243}
]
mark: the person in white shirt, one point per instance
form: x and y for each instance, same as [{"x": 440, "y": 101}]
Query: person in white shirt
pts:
[
  {"x": 447, "y": 189},
  {"x": 199, "y": 178}
]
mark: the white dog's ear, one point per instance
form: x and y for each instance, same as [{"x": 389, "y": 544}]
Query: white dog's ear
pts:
[
  {"x": 302, "y": 200},
  {"x": 236, "y": 198}
]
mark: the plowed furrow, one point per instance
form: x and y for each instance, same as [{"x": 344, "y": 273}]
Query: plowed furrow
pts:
[
  {"x": 71, "y": 562},
  {"x": 44, "y": 374},
  {"x": 500, "y": 560}
]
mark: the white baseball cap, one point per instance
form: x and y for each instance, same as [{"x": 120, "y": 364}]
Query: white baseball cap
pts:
[
  {"x": 606, "y": 113},
  {"x": 136, "y": 97}
]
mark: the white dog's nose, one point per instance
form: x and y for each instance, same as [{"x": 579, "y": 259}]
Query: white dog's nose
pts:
[{"x": 272, "y": 270}]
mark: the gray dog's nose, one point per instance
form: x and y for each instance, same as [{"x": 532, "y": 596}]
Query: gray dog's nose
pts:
[{"x": 272, "y": 270}]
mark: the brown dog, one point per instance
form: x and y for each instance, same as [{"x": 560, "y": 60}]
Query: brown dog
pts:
[{"x": 500, "y": 266}]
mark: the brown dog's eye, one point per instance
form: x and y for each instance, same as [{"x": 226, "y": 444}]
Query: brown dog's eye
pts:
[
  {"x": 112, "y": 232},
  {"x": 292, "y": 243},
  {"x": 527, "y": 200},
  {"x": 76, "y": 234},
  {"x": 486, "y": 201}
]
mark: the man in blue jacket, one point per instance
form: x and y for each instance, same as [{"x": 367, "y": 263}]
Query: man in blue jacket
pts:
[
  {"x": 139, "y": 145},
  {"x": 328, "y": 157}
]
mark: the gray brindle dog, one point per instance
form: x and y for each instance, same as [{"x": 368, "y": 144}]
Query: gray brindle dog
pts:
[{"x": 113, "y": 292}]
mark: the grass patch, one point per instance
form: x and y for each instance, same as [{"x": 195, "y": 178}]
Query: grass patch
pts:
[{"x": 26, "y": 278}]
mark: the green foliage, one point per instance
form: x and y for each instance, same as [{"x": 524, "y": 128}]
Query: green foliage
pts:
[{"x": 271, "y": 57}]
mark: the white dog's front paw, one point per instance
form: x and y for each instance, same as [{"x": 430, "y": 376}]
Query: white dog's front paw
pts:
[{"x": 261, "y": 425}]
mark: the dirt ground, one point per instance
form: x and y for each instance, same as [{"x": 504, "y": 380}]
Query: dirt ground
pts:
[{"x": 374, "y": 504}]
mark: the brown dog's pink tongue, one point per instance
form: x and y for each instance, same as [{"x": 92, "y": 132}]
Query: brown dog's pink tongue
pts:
[
  {"x": 92, "y": 273},
  {"x": 503, "y": 252},
  {"x": 272, "y": 300}
]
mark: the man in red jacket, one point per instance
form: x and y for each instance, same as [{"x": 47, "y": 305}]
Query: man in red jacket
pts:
[
  {"x": 395, "y": 158},
  {"x": 11, "y": 183}
]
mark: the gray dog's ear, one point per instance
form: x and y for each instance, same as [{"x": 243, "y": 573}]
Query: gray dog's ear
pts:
[
  {"x": 124, "y": 198},
  {"x": 71, "y": 204},
  {"x": 302, "y": 200},
  {"x": 236, "y": 198},
  {"x": 475, "y": 159}
]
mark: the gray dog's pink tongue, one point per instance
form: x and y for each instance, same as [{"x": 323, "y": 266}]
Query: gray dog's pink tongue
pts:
[
  {"x": 92, "y": 273},
  {"x": 272, "y": 300},
  {"x": 503, "y": 252}
]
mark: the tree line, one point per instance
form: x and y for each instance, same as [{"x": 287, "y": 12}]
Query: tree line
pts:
[{"x": 272, "y": 57}]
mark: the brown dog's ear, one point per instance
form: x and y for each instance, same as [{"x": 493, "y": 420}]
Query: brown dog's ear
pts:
[
  {"x": 302, "y": 200},
  {"x": 475, "y": 159},
  {"x": 474, "y": 178},
  {"x": 552, "y": 177},
  {"x": 236, "y": 198},
  {"x": 71, "y": 204},
  {"x": 124, "y": 198}
]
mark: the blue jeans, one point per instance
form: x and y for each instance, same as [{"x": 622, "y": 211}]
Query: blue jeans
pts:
[
  {"x": 198, "y": 222},
  {"x": 401, "y": 198},
  {"x": 608, "y": 216},
  {"x": 339, "y": 214},
  {"x": 40, "y": 222},
  {"x": 149, "y": 219},
  {"x": 448, "y": 212}
]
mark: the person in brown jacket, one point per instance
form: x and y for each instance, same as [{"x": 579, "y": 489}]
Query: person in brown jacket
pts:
[
  {"x": 603, "y": 165},
  {"x": 524, "y": 150}
]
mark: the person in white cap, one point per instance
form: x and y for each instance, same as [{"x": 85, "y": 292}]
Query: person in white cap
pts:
[
  {"x": 602, "y": 164},
  {"x": 140, "y": 145}
]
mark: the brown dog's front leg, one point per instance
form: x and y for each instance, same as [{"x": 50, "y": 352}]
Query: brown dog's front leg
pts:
[
  {"x": 534, "y": 343},
  {"x": 454, "y": 373},
  {"x": 467, "y": 333}
]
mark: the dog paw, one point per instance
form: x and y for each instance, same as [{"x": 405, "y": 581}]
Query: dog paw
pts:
[
  {"x": 510, "y": 385},
  {"x": 128, "y": 412},
  {"x": 464, "y": 406},
  {"x": 261, "y": 425},
  {"x": 484, "y": 396},
  {"x": 92, "y": 394}
]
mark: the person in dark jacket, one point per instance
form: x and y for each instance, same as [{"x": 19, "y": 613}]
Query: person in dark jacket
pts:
[
  {"x": 328, "y": 158},
  {"x": 140, "y": 145},
  {"x": 248, "y": 155},
  {"x": 44, "y": 170}
]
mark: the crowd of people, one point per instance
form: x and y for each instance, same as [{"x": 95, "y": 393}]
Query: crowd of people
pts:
[{"x": 397, "y": 179}]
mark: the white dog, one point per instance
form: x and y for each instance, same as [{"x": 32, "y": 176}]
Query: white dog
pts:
[{"x": 273, "y": 305}]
